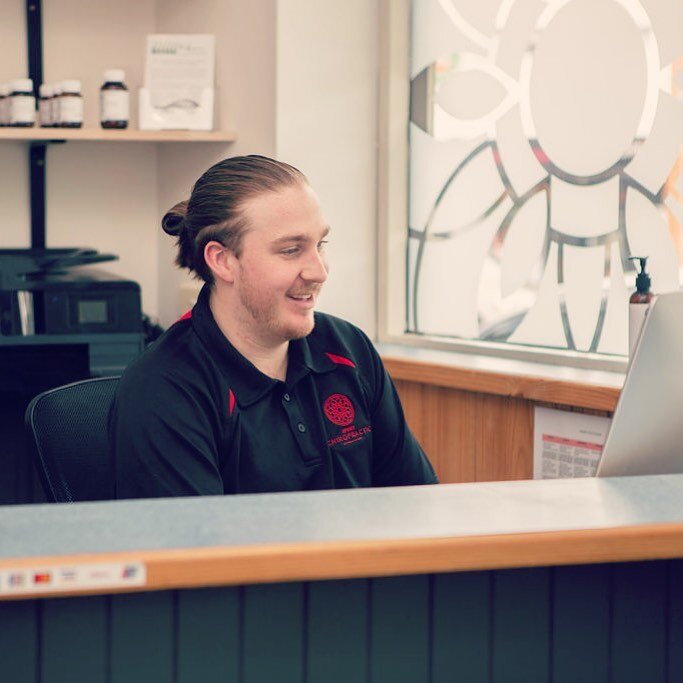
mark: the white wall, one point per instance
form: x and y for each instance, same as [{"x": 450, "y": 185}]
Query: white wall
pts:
[
  {"x": 245, "y": 83},
  {"x": 326, "y": 119}
]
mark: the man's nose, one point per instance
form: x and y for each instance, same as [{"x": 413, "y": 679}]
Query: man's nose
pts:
[{"x": 315, "y": 269}]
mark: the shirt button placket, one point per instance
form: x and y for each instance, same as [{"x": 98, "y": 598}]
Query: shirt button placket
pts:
[{"x": 300, "y": 429}]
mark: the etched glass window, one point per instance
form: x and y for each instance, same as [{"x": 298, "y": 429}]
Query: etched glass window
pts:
[{"x": 545, "y": 141}]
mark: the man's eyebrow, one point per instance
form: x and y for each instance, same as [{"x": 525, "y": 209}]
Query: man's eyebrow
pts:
[{"x": 298, "y": 237}]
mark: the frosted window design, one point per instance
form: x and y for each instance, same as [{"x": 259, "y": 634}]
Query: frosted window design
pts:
[{"x": 545, "y": 149}]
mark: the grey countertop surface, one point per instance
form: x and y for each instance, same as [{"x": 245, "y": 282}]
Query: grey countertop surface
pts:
[{"x": 327, "y": 516}]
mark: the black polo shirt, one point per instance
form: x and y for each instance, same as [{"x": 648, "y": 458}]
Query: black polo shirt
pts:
[{"x": 193, "y": 416}]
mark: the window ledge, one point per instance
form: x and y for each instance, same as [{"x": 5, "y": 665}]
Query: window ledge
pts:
[{"x": 593, "y": 389}]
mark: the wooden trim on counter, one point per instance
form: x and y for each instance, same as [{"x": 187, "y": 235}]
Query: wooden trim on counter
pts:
[
  {"x": 225, "y": 566},
  {"x": 538, "y": 389}
]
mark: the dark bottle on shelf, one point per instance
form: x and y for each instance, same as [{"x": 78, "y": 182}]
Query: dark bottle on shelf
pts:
[
  {"x": 71, "y": 105},
  {"x": 114, "y": 100}
]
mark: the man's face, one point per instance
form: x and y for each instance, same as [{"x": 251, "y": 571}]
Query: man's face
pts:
[{"x": 282, "y": 265}]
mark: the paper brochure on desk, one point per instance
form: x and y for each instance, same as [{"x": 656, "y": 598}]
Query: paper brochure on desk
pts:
[{"x": 567, "y": 445}]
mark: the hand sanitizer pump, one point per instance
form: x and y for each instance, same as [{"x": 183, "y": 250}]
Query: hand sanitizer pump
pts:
[{"x": 638, "y": 304}]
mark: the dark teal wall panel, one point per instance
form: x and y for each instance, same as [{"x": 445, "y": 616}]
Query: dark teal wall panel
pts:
[
  {"x": 602, "y": 623},
  {"x": 639, "y": 623},
  {"x": 338, "y": 631},
  {"x": 75, "y": 640},
  {"x": 142, "y": 638},
  {"x": 521, "y": 626},
  {"x": 273, "y": 633},
  {"x": 581, "y": 624},
  {"x": 208, "y": 635},
  {"x": 19, "y": 655},
  {"x": 400, "y": 629},
  {"x": 675, "y": 623},
  {"x": 461, "y": 649}
]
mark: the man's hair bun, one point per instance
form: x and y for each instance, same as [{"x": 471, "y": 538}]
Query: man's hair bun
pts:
[{"x": 173, "y": 222}]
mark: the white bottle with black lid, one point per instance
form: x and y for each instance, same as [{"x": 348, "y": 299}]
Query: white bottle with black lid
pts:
[
  {"x": 114, "y": 100},
  {"x": 22, "y": 103},
  {"x": 639, "y": 304}
]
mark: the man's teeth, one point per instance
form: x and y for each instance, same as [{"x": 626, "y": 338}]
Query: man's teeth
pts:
[{"x": 301, "y": 297}]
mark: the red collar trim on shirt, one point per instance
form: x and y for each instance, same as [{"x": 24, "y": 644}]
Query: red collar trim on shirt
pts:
[{"x": 340, "y": 360}]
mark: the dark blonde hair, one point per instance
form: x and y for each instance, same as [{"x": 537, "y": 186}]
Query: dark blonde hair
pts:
[{"x": 214, "y": 209}]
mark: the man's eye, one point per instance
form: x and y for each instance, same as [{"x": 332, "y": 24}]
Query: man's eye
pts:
[
  {"x": 290, "y": 251},
  {"x": 321, "y": 244}
]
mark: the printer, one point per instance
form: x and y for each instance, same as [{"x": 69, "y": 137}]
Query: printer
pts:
[
  {"x": 61, "y": 320},
  {"x": 54, "y": 292},
  {"x": 52, "y": 303}
]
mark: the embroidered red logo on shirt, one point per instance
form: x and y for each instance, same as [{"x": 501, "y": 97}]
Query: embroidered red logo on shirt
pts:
[{"x": 339, "y": 410}]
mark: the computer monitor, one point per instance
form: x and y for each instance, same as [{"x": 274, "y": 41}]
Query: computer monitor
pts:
[{"x": 646, "y": 436}]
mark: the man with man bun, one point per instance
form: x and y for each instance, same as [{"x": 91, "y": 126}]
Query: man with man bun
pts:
[{"x": 252, "y": 391}]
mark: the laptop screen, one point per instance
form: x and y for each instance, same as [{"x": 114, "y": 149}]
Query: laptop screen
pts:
[{"x": 646, "y": 436}]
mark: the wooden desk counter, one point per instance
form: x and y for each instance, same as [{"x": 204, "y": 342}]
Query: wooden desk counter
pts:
[
  {"x": 233, "y": 587},
  {"x": 193, "y": 542}
]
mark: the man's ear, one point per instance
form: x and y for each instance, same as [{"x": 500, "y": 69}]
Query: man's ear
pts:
[{"x": 221, "y": 261}]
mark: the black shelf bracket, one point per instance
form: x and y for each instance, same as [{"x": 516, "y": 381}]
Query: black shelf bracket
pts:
[{"x": 37, "y": 151}]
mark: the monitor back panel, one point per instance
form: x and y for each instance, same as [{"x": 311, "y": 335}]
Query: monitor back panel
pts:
[{"x": 646, "y": 436}]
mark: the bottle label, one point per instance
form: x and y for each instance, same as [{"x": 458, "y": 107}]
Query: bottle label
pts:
[
  {"x": 114, "y": 105},
  {"x": 45, "y": 110},
  {"x": 54, "y": 110},
  {"x": 22, "y": 109},
  {"x": 71, "y": 110},
  {"x": 636, "y": 319}
]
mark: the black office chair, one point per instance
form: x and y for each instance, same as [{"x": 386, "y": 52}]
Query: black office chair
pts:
[{"x": 69, "y": 430}]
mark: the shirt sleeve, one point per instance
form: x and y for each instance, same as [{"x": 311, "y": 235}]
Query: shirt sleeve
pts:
[
  {"x": 165, "y": 437},
  {"x": 398, "y": 459}
]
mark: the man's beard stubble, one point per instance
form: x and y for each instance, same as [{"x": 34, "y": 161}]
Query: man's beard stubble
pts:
[{"x": 264, "y": 314}]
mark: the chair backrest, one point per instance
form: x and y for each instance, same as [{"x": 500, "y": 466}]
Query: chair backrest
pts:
[{"x": 69, "y": 430}]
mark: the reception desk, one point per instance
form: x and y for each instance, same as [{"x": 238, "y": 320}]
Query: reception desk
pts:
[{"x": 562, "y": 581}]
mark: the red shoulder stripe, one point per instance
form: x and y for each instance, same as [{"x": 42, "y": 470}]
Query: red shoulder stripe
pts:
[
  {"x": 185, "y": 316},
  {"x": 340, "y": 360},
  {"x": 231, "y": 402}
]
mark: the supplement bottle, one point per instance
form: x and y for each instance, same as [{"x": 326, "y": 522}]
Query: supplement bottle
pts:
[
  {"x": 71, "y": 105},
  {"x": 56, "y": 104},
  {"x": 22, "y": 103},
  {"x": 114, "y": 100},
  {"x": 4, "y": 104},
  {"x": 45, "y": 105}
]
